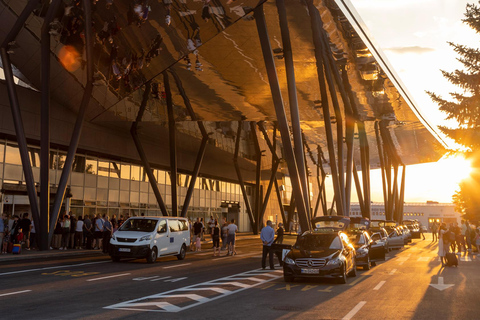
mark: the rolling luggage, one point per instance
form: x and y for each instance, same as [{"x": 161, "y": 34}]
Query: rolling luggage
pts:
[
  {"x": 451, "y": 259},
  {"x": 17, "y": 248}
]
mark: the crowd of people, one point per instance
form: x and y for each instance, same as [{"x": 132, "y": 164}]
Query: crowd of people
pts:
[{"x": 455, "y": 238}]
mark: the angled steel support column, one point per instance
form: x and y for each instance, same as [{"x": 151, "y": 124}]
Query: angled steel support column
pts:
[
  {"x": 45, "y": 127},
  {"x": 291, "y": 210},
  {"x": 141, "y": 151},
  {"x": 280, "y": 202},
  {"x": 172, "y": 144},
  {"x": 21, "y": 139},
  {"x": 258, "y": 177},
  {"x": 203, "y": 144},
  {"x": 321, "y": 185},
  {"x": 22, "y": 18},
  {"x": 275, "y": 164},
  {"x": 402, "y": 195},
  {"x": 17, "y": 116},
  {"x": 77, "y": 130},
  {"x": 292, "y": 99},
  {"x": 382, "y": 164},
  {"x": 365, "y": 163},
  {"x": 281, "y": 118},
  {"x": 393, "y": 204},
  {"x": 240, "y": 179},
  {"x": 319, "y": 57},
  {"x": 359, "y": 189}
]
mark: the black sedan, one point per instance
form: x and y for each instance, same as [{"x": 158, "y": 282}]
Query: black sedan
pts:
[
  {"x": 366, "y": 251},
  {"x": 320, "y": 255}
]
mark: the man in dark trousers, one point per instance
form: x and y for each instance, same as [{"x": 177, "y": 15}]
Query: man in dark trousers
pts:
[{"x": 267, "y": 236}]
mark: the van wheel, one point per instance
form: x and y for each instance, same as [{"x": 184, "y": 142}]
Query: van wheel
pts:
[
  {"x": 152, "y": 256},
  {"x": 115, "y": 258},
  {"x": 183, "y": 252}
]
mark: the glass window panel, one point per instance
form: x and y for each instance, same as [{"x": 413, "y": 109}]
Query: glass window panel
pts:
[
  {"x": 90, "y": 180},
  {"x": 77, "y": 179},
  {"x": 143, "y": 174},
  {"x": 113, "y": 195},
  {"x": 168, "y": 180},
  {"x": 125, "y": 171},
  {"x": 114, "y": 170},
  {"x": 90, "y": 193},
  {"x": 143, "y": 197},
  {"x": 113, "y": 183},
  {"x": 12, "y": 154},
  {"x": 1, "y": 171},
  {"x": 135, "y": 173},
  {"x": 124, "y": 196},
  {"x": 91, "y": 166},
  {"x": 36, "y": 174},
  {"x": 124, "y": 184},
  {"x": 161, "y": 176},
  {"x": 134, "y": 186},
  {"x": 2, "y": 150},
  {"x": 77, "y": 192},
  {"x": 34, "y": 155},
  {"x": 174, "y": 225},
  {"x": 78, "y": 164},
  {"x": 61, "y": 157},
  {"x": 103, "y": 168},
  {"x": 102, "y": 182},
  {"x": 13, "y": 172},
  {"x": 102, "y": 194},
  {"x": 134, "y": 197},
  {"x": 144, "y": 186}
]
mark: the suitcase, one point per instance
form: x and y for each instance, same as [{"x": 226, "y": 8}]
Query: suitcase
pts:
[
  {"x": 451, "y": 259},
  {"x": 17, "y": 249}
]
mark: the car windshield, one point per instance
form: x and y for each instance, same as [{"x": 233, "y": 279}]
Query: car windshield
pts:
[
  {"x": 319, "y": 242},
  {"x": 357, "y": 239},
  {"x": 329, "y": 224},
  {"x": 142, "y": 225}
]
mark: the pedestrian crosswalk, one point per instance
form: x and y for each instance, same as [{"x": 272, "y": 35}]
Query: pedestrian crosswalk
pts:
[{"x": 187, "y": 297}]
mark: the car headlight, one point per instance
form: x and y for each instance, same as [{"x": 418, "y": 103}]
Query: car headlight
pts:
[
  {"x": 113, "y": 237},
  {"x": 289, "y": 260},
  {"x": 145, "y": 238},
  {"x": 334, "y": 262}
]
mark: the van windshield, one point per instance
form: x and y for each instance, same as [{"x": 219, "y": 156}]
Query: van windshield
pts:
[{"x": 142, "y": 225}]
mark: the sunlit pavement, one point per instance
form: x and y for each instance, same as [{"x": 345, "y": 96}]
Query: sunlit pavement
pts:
[{"x": 410, "y": 285}]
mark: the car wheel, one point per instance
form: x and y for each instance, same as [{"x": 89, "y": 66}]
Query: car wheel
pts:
[
  {"x": 152, "y": 256},
  {"x": 343, "y": 279},
  {"x": 183, "y": 252},
  {"x": 353, "y": 273},
  {"x": 373, "y": 263},
  {"x": 367, "y": 266},
  {"x": 288, "y": 278},
  {"x": 115, "y": 258}
]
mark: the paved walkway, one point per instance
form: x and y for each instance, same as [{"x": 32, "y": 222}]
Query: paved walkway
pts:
[{"x": 35, "y": 254}]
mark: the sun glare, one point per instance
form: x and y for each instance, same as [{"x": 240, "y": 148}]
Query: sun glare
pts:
[{"x": 455, "y": 169}]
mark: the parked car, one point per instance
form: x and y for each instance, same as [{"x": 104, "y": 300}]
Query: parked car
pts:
[
  {"x": 366, "y": 252},
  {"x": 150, "y": 238},
  {"x": 396, "y": 239},
  {"x": 321, "y": 254},
  {"x": 380, "y": 236},
  {"x": 406, "y": 233},
  {"x": 414, "y": 228}
]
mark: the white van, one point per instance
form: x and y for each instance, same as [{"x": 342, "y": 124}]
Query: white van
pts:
[{"x": 151, "y": 237}]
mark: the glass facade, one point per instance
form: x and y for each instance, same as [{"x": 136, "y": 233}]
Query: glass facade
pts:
[{"x": 104, "y": 186}]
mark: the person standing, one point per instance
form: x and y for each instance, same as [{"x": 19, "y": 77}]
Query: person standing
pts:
[
  {"x": 98, "y": 232},
  {"x": 216, "y": 238},
  {"x": 442, "y": 245},
  {"x": 79, "y": 233},
  {"x": 224, "y": 234},
  {"x": 25, "y": 225},
  {"x": 211, "y": 225},
  {"x": 280, "y": 233},
  {"x": 267, "y": 235},
  {"x": 33, "y": 239},
  {"x": 66, "y": 232},
  {"x": 434, "y": 229},
  {"x": 73, "y": 226},
  {"x": 231, "y": 231},
  {"x": 197, "y": 230},
  {"x": 2, "y": 228},
  {"x": 88, "y": 232},
  {"x": 107, "y": 233}
]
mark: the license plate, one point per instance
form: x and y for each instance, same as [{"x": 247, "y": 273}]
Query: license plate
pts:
[
  {"x": 311, "y": 271},
  {"x": 124, "y": 249}
]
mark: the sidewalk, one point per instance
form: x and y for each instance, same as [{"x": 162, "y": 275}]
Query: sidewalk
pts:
[{"x": 35, "y": 254}]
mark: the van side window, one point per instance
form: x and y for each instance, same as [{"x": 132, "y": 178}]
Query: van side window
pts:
[
  {"x": 184, "y": 225},
  {"x": 162, "y": 226},
  {"x": 173, "y": 224}
]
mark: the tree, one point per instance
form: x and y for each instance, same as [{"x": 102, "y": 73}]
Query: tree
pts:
[{"x": 464, "y": 107}]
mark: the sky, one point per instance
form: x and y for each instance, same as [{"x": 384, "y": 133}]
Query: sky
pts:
[{"x": 413, "y": 34}]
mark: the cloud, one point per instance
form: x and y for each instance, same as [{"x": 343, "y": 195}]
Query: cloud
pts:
[{"x": 412, "y": 49}]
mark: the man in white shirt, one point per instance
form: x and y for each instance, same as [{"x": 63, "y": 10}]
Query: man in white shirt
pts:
[
  {"x": 231, "y": 230},
  {"x": 267, "y": 236}
]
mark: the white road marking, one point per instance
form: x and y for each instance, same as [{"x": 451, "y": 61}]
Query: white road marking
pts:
[
  {"x": 163, "y": 302},
  {"x": 465, "y": 258},
  {"x": 176, "y": 279},
  {"x": 379, "y": 285},
  {"x": 392, "y": 272},
  {"x": 354, "y": 310},
  {"x": 56, "y": 267},
  {"x": 203, "y": 254},
  {"x": 162, "y": 278},
  {"x": 424, "y": 259},
  {"x": 114, "y": 276},
  {"x": 17, "y": 292},
  {"x": 177, "y": 265}
]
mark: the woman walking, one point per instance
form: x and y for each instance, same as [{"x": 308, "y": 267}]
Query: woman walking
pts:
[
  {"x": 216, "y": 238},
  {"x": 442, "y": 245}
]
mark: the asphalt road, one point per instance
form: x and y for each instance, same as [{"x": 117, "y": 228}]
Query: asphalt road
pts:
[{"x": 205, "y": 287}]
